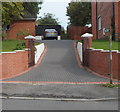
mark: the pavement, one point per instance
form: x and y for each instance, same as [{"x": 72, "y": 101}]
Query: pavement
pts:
[
  {"x": 62, "y": 91},
  {"x": 58, "y": 76}
]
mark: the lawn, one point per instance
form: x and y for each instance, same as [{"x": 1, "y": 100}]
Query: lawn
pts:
[
  {"x": 11, "y": 45},
  {"x": 104, "y": 44}
]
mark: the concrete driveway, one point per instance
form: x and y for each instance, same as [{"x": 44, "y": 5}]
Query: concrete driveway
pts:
[{"x": 59, "y": 64}]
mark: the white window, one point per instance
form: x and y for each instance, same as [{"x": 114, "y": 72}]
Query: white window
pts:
[{"x": 99, "y": 23}]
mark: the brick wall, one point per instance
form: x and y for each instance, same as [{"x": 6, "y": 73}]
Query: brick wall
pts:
[
  {"x": 20, "y": 28},
  {"x": 75, "y": 32},
  {"x": 117, "y": 19},
  {"x": 94, "y": 21},
  {"x": 105, "y": 10},
  {"x": 14, "y": 63},
  {"x": 100, "y": 62}
]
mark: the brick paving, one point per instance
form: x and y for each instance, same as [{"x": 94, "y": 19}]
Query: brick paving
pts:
[{"x": 60, "y": 65}]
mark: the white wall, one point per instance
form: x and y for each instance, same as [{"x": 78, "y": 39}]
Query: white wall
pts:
[
  {"x": 40, "y": 48},
  {"x": 79, "y": 48},
  {"x": 38, "y": 37}
]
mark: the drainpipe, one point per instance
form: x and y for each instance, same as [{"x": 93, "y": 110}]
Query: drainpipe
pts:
[{"x": 113, "y": 20}]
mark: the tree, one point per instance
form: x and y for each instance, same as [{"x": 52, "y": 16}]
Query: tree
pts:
[
  {"x": 79, "y": 13},
  {"x": 48, "y": 19},
  {"x": 32, "y": 8},
  {"x": 11, "y": 10},
  {"x": 17, "y": 10}
]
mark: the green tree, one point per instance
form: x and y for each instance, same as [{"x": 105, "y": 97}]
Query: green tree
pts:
[
  {"x": 11, "y": 10},
  {"x": 79, "y": 13},
  {"x": 17, "y": 10},
  {"x": 32, "y": 8},
  {"x": 48, "y": 19}
]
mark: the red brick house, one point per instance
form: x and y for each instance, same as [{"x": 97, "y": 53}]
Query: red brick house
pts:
[
  {"x": 103, "y": 15},
  {"x": 19, "y": 28}
]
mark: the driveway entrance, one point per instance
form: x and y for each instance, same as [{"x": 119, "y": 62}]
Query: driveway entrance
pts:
[{"x": 59, "y": 65}]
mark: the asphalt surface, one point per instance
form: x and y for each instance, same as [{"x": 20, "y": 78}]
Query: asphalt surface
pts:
[
  {"x": 59, "y": 64},
  {"x": 69, "y": 91},
  {"x": 10, "y": 104}
]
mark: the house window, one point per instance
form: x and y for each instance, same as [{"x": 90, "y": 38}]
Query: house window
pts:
[
  {"x": 8, "y": 27},
  {"x": 99, "y": 23}
]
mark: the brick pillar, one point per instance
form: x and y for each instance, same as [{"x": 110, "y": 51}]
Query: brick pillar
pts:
[
  {"x": 86, "y": 44},
  {"x": 29, "y": 42}
]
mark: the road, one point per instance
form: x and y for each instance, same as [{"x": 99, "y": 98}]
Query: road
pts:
[
  {"x": 59, "y": 64},
  {"x": 10, "y": 104}
]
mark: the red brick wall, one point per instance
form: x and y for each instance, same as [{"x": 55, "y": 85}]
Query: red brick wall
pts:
[
  {"x": 117, "y": 19},
  {"x": 99, "y": 62},
  {"x": 104, "y": 9},
  {"x": 19, "y": 27},
  {"x": 94, "y": 21},
  {"x": 75, "y": 32},
  {"x": 14, "y": 63}
]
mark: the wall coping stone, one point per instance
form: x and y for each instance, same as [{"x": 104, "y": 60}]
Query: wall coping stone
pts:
[
  {"x": 102, "y": 50},
  {"x": 15, "y": 51}
]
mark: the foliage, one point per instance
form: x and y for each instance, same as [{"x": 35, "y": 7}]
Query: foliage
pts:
[
  {"x": 19, "y": 46},
  {"x": 17, "y": 10},
  {"x": 79, "y": 13},
  {"x": 110, "y": 85},
  {"x": 10, "y": 45},
  {"x": 48, "y": 19},
  {"x": 11, "y": 10},
  {"x": 32, "y": 8},
  {"x": 23, "y": 34}
]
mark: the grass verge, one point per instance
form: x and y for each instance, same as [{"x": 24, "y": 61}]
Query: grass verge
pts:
[{"x": 111, "y": 85}]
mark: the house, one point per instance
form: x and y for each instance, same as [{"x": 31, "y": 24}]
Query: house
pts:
[
  {"x": 19, "y": 28},
  {"x": 105, "y": 14}
]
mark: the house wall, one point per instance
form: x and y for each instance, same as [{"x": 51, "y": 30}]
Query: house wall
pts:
[
  {"x": 13, "y": 63},
  {"x": 20, "y": 28},
  {"x": 75, "y": 32},
  {"x": 94, "y": 20},
  {"x": 117, "y": 19},
  {"x": 105, "y": 10}
]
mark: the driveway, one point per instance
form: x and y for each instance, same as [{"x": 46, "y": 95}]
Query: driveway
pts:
[{"x": 59, "y": 64}]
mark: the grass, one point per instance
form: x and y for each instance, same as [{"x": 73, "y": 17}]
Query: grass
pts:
[
  {"x": 11, "y": 45},
  {"x": 36, "y": 43},
  {"x": 104, "y": 44},
  {"x": 110, "y": 85}
]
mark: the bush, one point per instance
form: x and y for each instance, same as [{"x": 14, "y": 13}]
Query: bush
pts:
[{"x": 19, "y": 46}]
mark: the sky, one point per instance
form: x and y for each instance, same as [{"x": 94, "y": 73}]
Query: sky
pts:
[{"x": 56, "y": 7}]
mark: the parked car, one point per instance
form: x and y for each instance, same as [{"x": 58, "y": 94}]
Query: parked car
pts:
[{"x": 51, "y": 34}]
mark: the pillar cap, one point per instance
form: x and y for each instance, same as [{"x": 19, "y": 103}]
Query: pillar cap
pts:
[
  {"x": 29, "y": 37},
  {"x": 87, "y": 35}
]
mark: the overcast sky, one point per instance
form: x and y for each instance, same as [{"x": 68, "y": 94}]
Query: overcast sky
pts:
[{"x": 56, "y": 7}]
